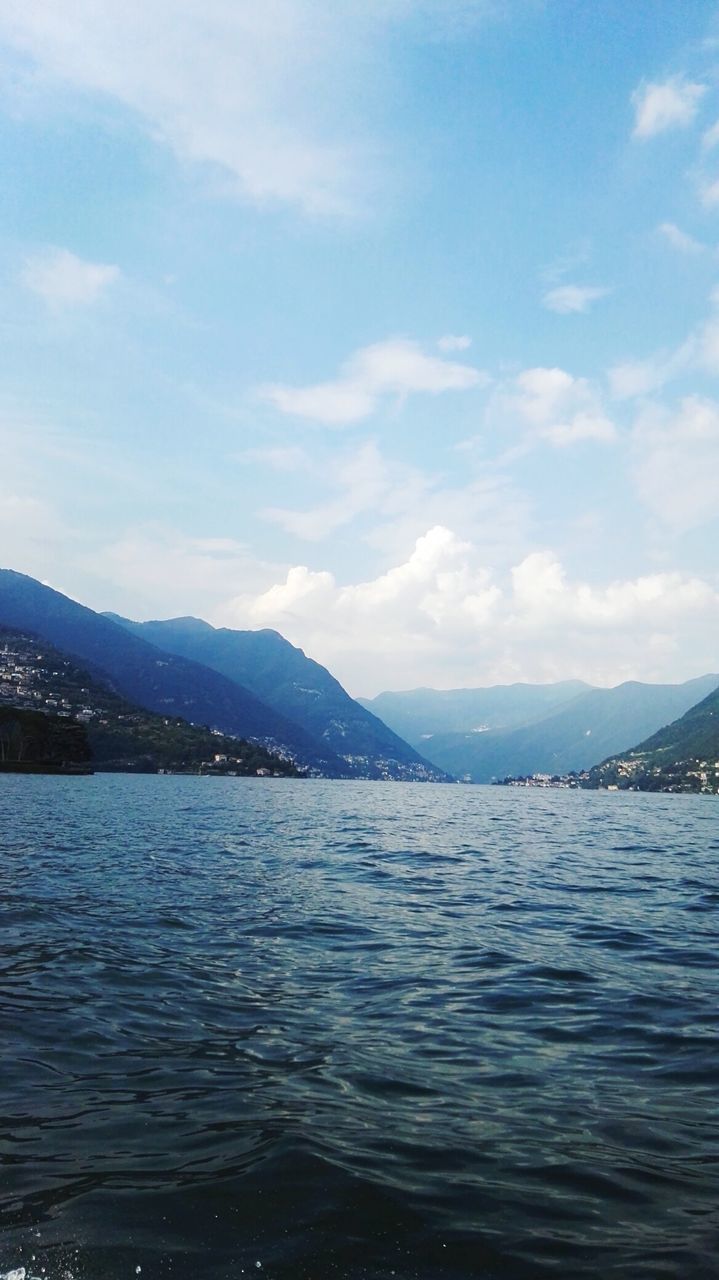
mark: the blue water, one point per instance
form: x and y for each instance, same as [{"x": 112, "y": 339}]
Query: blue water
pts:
[{"x": 306, "y": 1030}]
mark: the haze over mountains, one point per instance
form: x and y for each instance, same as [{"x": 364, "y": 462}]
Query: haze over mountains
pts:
[
  {"x": 522, "y": 729},
  {"x": 256, "y": 685}
]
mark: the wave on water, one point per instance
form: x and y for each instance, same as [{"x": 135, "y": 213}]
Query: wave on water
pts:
[{"x": 351, "y": 1030}]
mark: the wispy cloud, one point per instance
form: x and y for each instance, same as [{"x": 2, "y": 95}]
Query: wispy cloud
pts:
[
  {"x": 677, "y": 462},
  {"x": 698, "y": 353},
  {"x": 572, "y": 298},
  {"x": 64, "y": 280},
  {"x": 680, "y": 240},
  {"x": 454, "y": 342},
  {"x": 395, "y": 368},
  {"x": 360, "y": 481},
  {"x": 671, "y": 104},
  {"x": 278, "y": 457},
  {"x": 710, "y": 138},
  {"x": 710, "y": 194},
  {"x": 271, "y": 98},
  {"x": 229, "y": 84}
]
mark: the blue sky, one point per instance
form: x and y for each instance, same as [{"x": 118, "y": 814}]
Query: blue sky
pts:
[{"x": 393, "y": 325}]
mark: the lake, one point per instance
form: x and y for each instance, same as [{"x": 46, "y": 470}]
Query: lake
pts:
[{"x": 303, "y": 1030}]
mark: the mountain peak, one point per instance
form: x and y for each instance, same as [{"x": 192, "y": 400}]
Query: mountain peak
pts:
[{"x": 190, "y": 624}]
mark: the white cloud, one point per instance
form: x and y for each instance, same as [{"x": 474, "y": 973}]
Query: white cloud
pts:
[
  {"x": 272, "y": 98},
  {"x": 679, "y": 239},
  {"x": 361, "y": 481},
  {"x": 391, "y": 503},
  {"x": 558, "y": 407},
  {"x": 395, "y": 368},
  {"x": 226, "y": 83},
  {"x": 698, "y": 353},
  {"x": 570, "y": 298},
  {"x": 640, "y": 377},
  {"x": 584, "y": 425},
  {"x": 454, "y": 342},
  {"x": 710, "y": 194},
  {"x": 64, "y": 280},
  {"x": 672, "y": 104},
  {"x": 676, "y": 463},
  {"x": 443, "y": 610},
  {"x": 710, "y": 138}
]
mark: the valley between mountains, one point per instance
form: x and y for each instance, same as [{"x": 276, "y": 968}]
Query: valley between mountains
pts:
[{"x": 256, "y": 687}]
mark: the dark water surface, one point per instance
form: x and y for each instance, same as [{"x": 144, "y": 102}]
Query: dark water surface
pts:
[{"x": 303, "y": 1030}]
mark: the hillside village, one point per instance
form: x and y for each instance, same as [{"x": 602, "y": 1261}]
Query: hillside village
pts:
[
  {"x": 36, "y": 677},
  {"x": 641, "y": 773}
]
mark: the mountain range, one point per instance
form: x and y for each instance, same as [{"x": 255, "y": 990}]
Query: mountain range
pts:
[
  {"x": 481, "y": 735},
  {"x": 256, "y": 685},
  {"x": 287, "y": 681},
  {"x": 173, "y": 684}
]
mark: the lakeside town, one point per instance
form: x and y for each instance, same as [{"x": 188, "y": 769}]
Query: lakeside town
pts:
[{"x": 35, "y": 678}]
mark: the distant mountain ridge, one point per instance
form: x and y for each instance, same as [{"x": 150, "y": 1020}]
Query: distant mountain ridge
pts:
[
  {"x": 418, "y": 713},
  {"x": 583, "y": 730},
  {"x": 288, "y": 681}
]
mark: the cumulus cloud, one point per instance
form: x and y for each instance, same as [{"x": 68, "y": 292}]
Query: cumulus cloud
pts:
[
  {"x": 567, "y": 299},
  {"x": 395, "y": 368},
  {"x": 442, "y": 608},
  {"x": 62, "y": 279},
  {"x": 672, "y": 104},
  {"x": 676, "y": 462},
  {"x": 559, "y": 408}
]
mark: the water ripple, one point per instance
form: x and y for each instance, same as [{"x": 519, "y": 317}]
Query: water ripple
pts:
[{"x": 354, "y": 1030}]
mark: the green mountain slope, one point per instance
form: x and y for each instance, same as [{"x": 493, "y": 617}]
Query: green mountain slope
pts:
[
  {"x": 158, "y": 681},
  {"x": 56, "y": 707},
  {"x": 682, "y": 756},
  {"x": 295, "y": 685}
]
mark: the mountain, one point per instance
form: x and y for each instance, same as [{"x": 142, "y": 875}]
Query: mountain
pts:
[
  {"x": 295, "y": 685},
  {"x": 39, "y": 682},
  {"x": 158, "y": 681},
  {"x": 418, "y": 713},
  {"x": 587, "y": 729},
  {"x": 682, "y": 756}
]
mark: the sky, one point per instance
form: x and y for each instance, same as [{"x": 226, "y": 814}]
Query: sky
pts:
[{"x": 389, "y": 324}]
